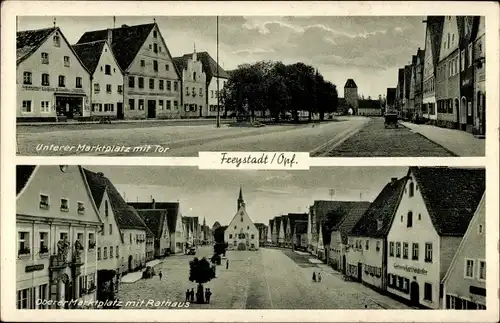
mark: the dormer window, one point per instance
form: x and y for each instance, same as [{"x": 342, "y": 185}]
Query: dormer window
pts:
[
  {"x": 411, "y": 189},
  {"x": 64, "y": 205}
]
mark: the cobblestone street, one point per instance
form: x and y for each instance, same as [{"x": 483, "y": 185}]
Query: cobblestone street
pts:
[
  {"x": 374, "y": 140},
  {"x": 266, "y": 279}
]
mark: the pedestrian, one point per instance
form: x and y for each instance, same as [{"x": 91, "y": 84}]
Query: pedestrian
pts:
[
  {"x": 192, "y": 295},
  {"x": 160, "y": 274},
  {"x": 319, "y": 277},
  {"x": 227, "y": 264},
  {"x": 208, "y": 293},
  {"x": 314, "y": 276},
  {"x": 188, "y": 295}
]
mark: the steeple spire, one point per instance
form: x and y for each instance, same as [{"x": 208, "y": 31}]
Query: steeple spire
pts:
[
  {"x": 195, "y": 58},
  {"x": 241, "y": 202}
]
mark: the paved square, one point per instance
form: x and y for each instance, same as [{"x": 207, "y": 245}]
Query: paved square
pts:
[{"x": 265, "y": 279}]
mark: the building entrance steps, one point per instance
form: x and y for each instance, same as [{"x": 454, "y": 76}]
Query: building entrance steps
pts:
[{"x": 458, "y": 142}]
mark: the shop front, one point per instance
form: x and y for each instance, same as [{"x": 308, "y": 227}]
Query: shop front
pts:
[{"x": 70, "y": 106}]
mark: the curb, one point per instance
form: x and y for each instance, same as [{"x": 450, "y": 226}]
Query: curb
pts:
[{"x": 421, "y": 135}]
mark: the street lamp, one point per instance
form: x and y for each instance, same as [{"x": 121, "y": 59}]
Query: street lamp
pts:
[{"x": 218, "y": 94}]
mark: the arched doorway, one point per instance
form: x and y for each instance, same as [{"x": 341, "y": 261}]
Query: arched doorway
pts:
[
  {"x": 242, "y": 246},
  {"x": 463, "y": 113},
  {"x": 414, "y": 293},
  {"x": 130, "y": 263}
]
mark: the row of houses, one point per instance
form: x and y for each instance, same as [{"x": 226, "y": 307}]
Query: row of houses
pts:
[
  {"x": 76, "y": 235},
  {"x": 444, "y": 84},
  {"x": 119, "y": 73},
  {"x": 422, "y": 240}
]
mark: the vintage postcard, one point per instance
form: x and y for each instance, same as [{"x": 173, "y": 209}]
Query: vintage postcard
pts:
[
  {"x": 244, "y": 161},
  {"x": 332, "y": 86}
]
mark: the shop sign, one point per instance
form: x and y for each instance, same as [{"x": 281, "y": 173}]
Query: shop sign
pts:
[
  {"x": 31, "y": 268},
  {"x": 411, "y": 269},
  {"x": 52, "y": 89}
]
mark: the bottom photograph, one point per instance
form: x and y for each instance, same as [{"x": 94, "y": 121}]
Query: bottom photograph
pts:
[{"x": 169, "y": 237}]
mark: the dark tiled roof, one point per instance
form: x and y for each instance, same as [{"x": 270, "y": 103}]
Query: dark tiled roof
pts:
[
  {"x": 351, "y": 218},
  {"x": 407, "y": 78},
  {"x": 334, "y": 215},
  {"x": 294, "y": 217},
  {"x": 89, "y": 53},
  {"x": 149, "y": 233},
  {"x": 451, "y": 196},
  {"x": 435, "y": 25},
  {"x": 97, "y": 185},
  {"x": 383, "y": 208},
  {"x": 23, "y": 174},
  {"x": 126, "y": 41},
  {"x": 300, "y": 227},
  {"x": 278, "y": 223},
  {"x": 172, "y": 209},
  {"x": 350, "y": 84},
  {"x": 126, "y": 217},
  {"x": 154, "y": 220},
  {"x": 29, "y": 41}
]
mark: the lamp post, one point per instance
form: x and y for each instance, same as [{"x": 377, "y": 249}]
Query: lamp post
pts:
[{"x": 218, "y": 106}]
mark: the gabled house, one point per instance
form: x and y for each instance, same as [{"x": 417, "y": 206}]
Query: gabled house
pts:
[
  {"x": 241, "y": 233},
  {"x": 433, "y": 214},
  {"x": 318, "y": 212},
  {"x": 216, "y": 78},
  {"x": 106, "y": 78},
  {"x": 194, "y": 84},
  {"x": 411, "y": 106},
  {"x": 464, "y": 285},
  {"x": 433, "y": 34},
  {"x": 262, "y": 228},
  {"x": 339, "y": 232},
  {"x": 293, "y": 218},
  {"x": 276, "y": 231},
  {"x": 448, "y": 75},
  {"x": 283, "y": 221},
  {"x": 367, "y": 252},
  {"x": 405, "y": 108},
  {"x": 151, "y": 79},
  {"x": 57, "y": 233},
  {"x": 110, "y": 255},
  {"x": 52, "y": 83},
  {"x": 132, "y": 230},
  {"x": 156, "y": 221},
  {"x": 174, "y": 223}
]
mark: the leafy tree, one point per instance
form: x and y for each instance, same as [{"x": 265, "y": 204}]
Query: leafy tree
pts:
[
  {"x": 201, "y": 272},
  {"x": 219, "y": 234}
]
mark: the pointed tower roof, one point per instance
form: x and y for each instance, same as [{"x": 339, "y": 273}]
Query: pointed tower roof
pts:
[
  {"x": 350, "y": 84},
  {"x": 240, "y": 197}
]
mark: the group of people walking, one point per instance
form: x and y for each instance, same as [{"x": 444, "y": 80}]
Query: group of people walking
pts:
[{"x": 317, "y": 277}]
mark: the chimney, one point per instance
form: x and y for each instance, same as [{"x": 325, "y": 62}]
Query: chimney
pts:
[
  {"x": 154, "y": 204},
  {"x": 110, "y": 36},
  {"x": 394, "y": 180}
]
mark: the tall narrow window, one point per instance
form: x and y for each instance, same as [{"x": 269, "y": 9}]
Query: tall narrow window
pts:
[
  {"x": 57, "y": 41},
  {"x": 107, "y": 69},
  {"x": 45, "y": 58},
  {"x": 409, "y": 221},
  {"x": 428, "y": 252},
  {"x": 62, "y": 81},
  {"x": 27, "y": 78},
  {"x": 45, "y": 79}
]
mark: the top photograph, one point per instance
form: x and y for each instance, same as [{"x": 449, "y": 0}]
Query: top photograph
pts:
[{"x": 174, "y": 86}]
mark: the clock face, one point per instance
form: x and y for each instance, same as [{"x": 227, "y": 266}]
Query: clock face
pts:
[{"x": 63, "y": 168}]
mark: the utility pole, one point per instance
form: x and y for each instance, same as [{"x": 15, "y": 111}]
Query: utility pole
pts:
[{"x": 218, "y": 94}]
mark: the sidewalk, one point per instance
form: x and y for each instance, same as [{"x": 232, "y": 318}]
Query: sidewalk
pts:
[
  {"x": 459, "y": 142},
  {"x": 135, "y": 276},
  {"x": 73, "y": 122}
]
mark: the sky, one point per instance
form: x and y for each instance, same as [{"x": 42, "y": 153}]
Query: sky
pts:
[
  {"x": 212, "y": 194},
  {"x": 368, "y": 49}
]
